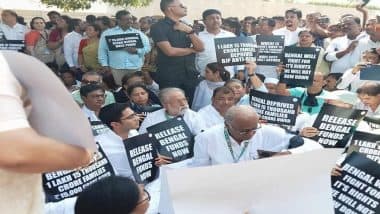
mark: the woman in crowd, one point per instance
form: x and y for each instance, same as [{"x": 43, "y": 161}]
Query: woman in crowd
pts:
[
  {"x": 55, "y": 42},
  {"x": 88, "y": 49},
  {"x": 215, "y": 76},
  {"x": 237, "y": 86},
  {"x": 305, "y": 40},
  {"x": 36, "y": 41},
  {"x": 139, "y": 100}
]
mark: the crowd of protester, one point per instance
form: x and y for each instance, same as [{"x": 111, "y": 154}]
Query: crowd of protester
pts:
[{"x": 176, "y": 73}]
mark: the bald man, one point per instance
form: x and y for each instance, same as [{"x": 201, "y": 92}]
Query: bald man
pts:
[{"x": 239, "y": 138}]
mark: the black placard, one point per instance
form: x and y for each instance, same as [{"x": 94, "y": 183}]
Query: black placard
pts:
[
  {"x": 269, "y": 49},
  {"x": 121, "y": 41},
  {"x": 141, "y": 155},
  {"x": 14, "y": 45},
  {"x": 336, "y": 125},
  {"x": 357, "y": 190},
  {"x": 370, "y": 72},
  {"x": 299, "y": 65},
  {"x": 66, "y": 184},
  {"x": 174, "y": 139},
  {"x": 374, "y": 123},
  {"x": 234, "y": 50},
  {"x": 275, "y": 108},
  {"x": 367, "y": 144},
  {"x": 98, "y": 128}
]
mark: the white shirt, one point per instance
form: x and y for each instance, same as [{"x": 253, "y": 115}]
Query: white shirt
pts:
[
  {"x": 347, "y": 61},
  {"x": 365, "y": 44},
  {"x": 70, "y": 48},
  {"x": 17, "y": 32},
  {"x": 191, "y": 118},
  {"x": 210, "y": 116},
  {"x": 370, "y": 112},
  {"x": 90, "y": 114},
  {"x": 208, "y": 55},
  {"x": 353, "y": 80},
  {"x": 203, "y": 94},
  {"x": 211, "y": 146},
  {"x": 291, "y": 37}
]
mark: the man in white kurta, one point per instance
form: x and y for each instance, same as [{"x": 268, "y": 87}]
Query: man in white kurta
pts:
[
  {"x": 239, "y": 138},
  {"x": 222, "y": 99},
  {"x": 175, "y": 104}
]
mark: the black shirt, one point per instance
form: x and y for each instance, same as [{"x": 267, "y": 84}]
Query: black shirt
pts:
[{"x": 164, "y": 31}]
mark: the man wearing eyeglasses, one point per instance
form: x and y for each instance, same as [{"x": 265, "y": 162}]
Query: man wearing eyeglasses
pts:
[
  {"x": 92, "y": 77},
  {"x": 93, "y": 96},
  {"x": 240, "y": 138}
]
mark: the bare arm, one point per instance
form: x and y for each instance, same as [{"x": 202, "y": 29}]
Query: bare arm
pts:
[
  {"x": 24, "y": 150},
  {"x": 281, "y": 87}
]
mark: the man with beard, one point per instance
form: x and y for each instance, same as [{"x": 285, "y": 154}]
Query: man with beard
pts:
[
  {"x": 175, "y": 104},
  {"x": 177, "y": 44},
  {"x": 291, "y": 29},
  {"x": 340, "y": 50}
]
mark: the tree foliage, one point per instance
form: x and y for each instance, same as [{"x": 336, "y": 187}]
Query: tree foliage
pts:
[{"x": 70, "y": 5}]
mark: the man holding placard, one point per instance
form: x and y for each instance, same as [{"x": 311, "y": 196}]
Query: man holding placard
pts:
[
  {"x": 122, "y": 49},
  {"x": 240, "y": 138},
  {"x": 213, "y": 20}
]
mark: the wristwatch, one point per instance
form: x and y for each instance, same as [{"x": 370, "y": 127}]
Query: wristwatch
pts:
[
  {"x": 251, "y": 75},
  {"x": 191, "y": 32}
]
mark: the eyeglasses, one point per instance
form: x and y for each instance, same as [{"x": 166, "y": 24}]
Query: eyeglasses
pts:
[
  {"x": 129, "y": 117},
  {"x": 246, "y": 131},
  {"x": 146, "y": 198},
  {"x": 97, "y": 96}
]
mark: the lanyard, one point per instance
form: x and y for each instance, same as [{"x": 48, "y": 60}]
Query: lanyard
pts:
[{"x": 228, "y": 140}]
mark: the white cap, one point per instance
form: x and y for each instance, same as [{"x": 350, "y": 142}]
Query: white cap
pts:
[
  {"x": 342, "y": 95},
  {"x": 271, "y": 80}
]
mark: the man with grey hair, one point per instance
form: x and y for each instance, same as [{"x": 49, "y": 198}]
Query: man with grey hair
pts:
[
  {"x": 175, "y": 104},
  {"x": 240, "y": 138}
]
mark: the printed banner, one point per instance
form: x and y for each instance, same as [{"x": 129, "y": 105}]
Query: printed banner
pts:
[
  {"x": 174, "y": 139},
  {"x": 299, "y": 65},
  {"x": 336, "y": 125},
  {"x": 357, "y": 190},
  {"x": 269, "y": 50},
  {"x": 141, "y": 155},
  {"x": 234, "y": 50},
  {"x": 274, "y": 108},
  {"x": 121, "y": 41}
]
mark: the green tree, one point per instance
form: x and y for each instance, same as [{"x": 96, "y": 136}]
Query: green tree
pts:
[{"x": 69, "y": 5}]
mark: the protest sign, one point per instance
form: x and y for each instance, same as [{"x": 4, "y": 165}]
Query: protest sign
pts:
[
  {"x": 174, "y": 139},
  {"x": 374, "y": 123},
  {"x": 141, "y": 155},
  {"x": 121, "y": 41},
  {"x": 367, "y": 144},
  {"x": 275, "y": 108},
  {"x": 336, "y": 125},
  {"x": 300, "y": 65},
  {"x": 299, "y": 189},
  {"x": 370, "y": 72},
  {"x": 234, "y": 50},
  {"x": 14, "y": 45},
  {"x": 357, "y": 190},
  {"x": 65, "y": 184},
  {"x": 269, "y": 50},
  {"x": 98, "y": 128}
]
